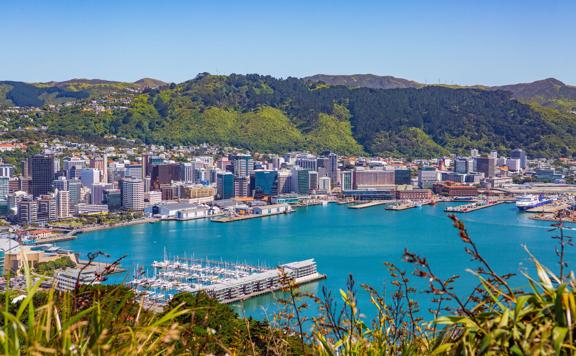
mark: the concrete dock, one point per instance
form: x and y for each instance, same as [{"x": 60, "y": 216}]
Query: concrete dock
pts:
[
  {"x": 369, "y": 204},
  {"x": 468, "y": 208},
  {"x": 548, "y": 208}
]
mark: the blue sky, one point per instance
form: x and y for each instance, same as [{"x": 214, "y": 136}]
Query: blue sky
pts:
[{"x": 464, "y": 42}]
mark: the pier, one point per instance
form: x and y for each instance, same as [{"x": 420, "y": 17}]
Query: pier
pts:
[
  {"x": 468, "y": 208},
  {"x": 369, "y": 204},
  {"x": 549, "y": 208}
]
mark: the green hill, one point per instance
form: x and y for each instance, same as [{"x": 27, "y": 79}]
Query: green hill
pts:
[{"x": 276, "y": 115}]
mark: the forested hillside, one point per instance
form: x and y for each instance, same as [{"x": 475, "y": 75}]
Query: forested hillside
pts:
[{"x": 276, "y": 115}]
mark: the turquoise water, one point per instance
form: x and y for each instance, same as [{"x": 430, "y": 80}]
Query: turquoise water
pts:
[{"x": 342, "y": 241}]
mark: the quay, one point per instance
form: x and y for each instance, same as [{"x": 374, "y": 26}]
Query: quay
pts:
[
  {"x": 256, "y": 212},
  {"x": 401, "y": 206},
  {"x": 548, "y": 208},
  {"x": 369, "y": 204},
  {"x": 468, "y": 208}
]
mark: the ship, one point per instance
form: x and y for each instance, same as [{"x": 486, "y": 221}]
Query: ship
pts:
[{"x": 530, "y": 201}]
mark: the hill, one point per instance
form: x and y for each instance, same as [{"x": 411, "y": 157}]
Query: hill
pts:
[
  {"x": 149, "y": 83},
  {"x": 276, "y": 115},
  {"x": 364, "y": 81}
]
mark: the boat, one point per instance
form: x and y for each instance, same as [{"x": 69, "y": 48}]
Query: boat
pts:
[{"x": 530, "y": 201}]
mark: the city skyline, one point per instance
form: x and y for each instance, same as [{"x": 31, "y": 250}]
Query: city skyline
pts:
[{"x": 449, "y": 42}]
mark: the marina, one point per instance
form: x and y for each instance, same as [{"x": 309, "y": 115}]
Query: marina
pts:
[{"x": 227, "y": 282}]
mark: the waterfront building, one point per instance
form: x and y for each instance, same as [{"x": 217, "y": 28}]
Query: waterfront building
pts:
[
  {"x": 242, "y": 186},
  {"x": 402, "y": 176},
  {"x": 42, "y": 171},
  {"x": 266, "y": 182},
  {"x": 413, "y": 194},
  {"x": 312, "y": 181},
  {"x": 284, "y": 182},
  {"x": 243, "y": 165},
  {"x": 347, "y": 180},
  {"x": 332, "y": 167},
  {"x": 198, "y": 192},
  {"x": 62, "y": 204},
  {"x": 300, "y": 180},
  {"x": 225, "y": 185},
  {"x": 132, "y": 194},
  {"x": 113, "y": 198},
  {"x": 324, "y": 184},
  {"x": 520, "y": 155},
  {"x": 455, "y": 190},
  {"x": 427, "y": 177},
  {"x": 75, "y": 188},
  {"x": 486, "y": 165},
  {"x": 153, "y": 197},
  {"x": 91, "y": 209},
  {"x": 373, "y": 178}
]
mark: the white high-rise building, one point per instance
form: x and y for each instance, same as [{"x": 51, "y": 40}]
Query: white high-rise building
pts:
[
  {"x": 187, "y": 174},
  {"x": 324, "y": 184},
  {"x": 133, "y": 194},
  {"x": 62, "y": 204}
]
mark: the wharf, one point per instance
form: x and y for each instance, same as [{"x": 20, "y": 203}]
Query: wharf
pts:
[
  {"x": 548, "y": 208},
  {"x": 468, "y": 208},
  {"x": 227, "y": 219},
  {"x": 401, "y": 206},
  {"x": 55, "y": 238},
  {"x": 370, "y": 204}
]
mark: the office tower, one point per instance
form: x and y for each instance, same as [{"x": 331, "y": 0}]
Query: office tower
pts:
[
  {"x": 494, "y": 154},
  {"x": 463, "y": 165},
  {"x": 42, "y": 167},
  {"x": 521, "y": 155},
  {"x": 427, "y": 177},
  {"x": 13, "y": 184},
  {"x": 97, "y": 194},
  {"x": 347, "y": 180},
  {"x": 308, "y": 162},
  {"x": 300, "y": 180},
  {"x": 312, "y": 181},
  {"x": 113, "y": 198},
  {"x": 486, "y": 165},
  {"x": 225, "y": 185},
  {"x": 46, "y": 208},
  {"x": 284, "y": 182},
  {"x": 324, "y": 184},
  {"x": 331, "y": 166},
  {"x": 402, "y": 176},
  {"x": 266, "y": 182},
  {"x": 187, "y": 172},
  {"x": 474, "y": 153},
  {"x": 25, "y": 168},
  {"x": 514, "y": 164},
  {"x": 373, "y": 178},
  {"x": 62, "y": 204},
  {"x": 242, "y": 186},
  {"x": 101, "y": 164},
  {"x": 61, "y": 183},
  {"x": 75, "y": 189},
  {"x": 164, "y": 173},
  {"x": 89, "y": 177},
  {"x": 133, "y": 171},
  {"x": 145, "y": 165},
  {"x": 132, "y": 194},
  {"x": 243, "y": 165},
  {"x": 73, "y": 166},
  {"x": 4, "y": 188},
  {"x": 6, "y": 170},
  {"x": 28, "y": 211}
]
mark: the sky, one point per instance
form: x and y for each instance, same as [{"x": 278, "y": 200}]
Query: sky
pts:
[{"x": 465, "y": 42}]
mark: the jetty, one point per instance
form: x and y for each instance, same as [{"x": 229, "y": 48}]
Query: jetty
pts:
[
  {"x": 468, "y": 208},
  {"x": 402, "y": 206},
  {"x": 369, "y": 204},
  {"x": 254, "y": 213},
  {"x": 548, "y": 208}
]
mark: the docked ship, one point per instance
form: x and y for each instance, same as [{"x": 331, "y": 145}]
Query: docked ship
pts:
[{"x": 530, "y": 201}]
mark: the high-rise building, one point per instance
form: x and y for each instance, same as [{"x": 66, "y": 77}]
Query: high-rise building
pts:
[
  {"x": 474, "y": 153},
  {"x": 28, "y": 211},
  {"x": 284, "y": 182},
  {"x": 242, "y": 186},
  {"x": 266, "y": 182},
  {"x": 133, "y": 171},
  {"x": 164, "y": 174},
  {"x": 113, "y": 198},
  {"x": 47, "y": 208},
  {"x": 132, "y": 194},
  {"x": 75, "y": 189},
  {"x": 347, "y": 180},
  {"x": 97, "y": 194},
  {"x": 243, "y": 165},
  {"x": 373, "y": 178},
  {"x": 89, "y": 177},
  {"x": 521, "y": 155},
  {"x": 42, "y": 167},
  {"x": 427, "y": 177},
  {"x": 324, "y": 184},
  {"x": 463, "y": 165},
  {"x": 101, "y": 164},
  {"x": 62, "y": 204},
  {"x": 312, "y": 181},
  {"x": 308, "y": 162},
  {"x": 486, "y": 165},
  {"x": 332, "y": 167},
  {"x": 187, "y": 172},
  {"x": 145, "y": 165},
  {"x": 73, "y": 166},
  {"x": 514, "y": 164},
  {"x": 6, "y": 170},
  {"x": 300, "y": 180},
  {"x": 225, "y": 185},
  {"x": 4, "y": 188},
  {"x": 402, "y": 176}
]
